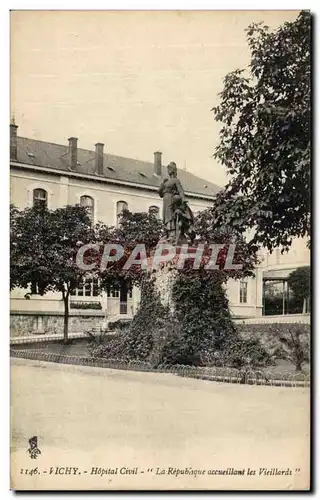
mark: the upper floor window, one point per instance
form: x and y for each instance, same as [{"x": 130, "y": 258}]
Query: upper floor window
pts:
[
  {"x": 90, "y": 288},
  {"x": 40, "y": 198},
  {"x": 154, "y": 210},
  {"x": 88, "y": 203},
  {"x": 121, "y": 206},
  {"x": 113, "y": 293},
  {"x": 243, "y": 292},
  {"x": 116, "y": 293}
]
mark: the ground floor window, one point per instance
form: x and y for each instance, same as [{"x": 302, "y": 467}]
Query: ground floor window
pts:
[
  {"x": 90, "y": 288},
  {"x": 278, "y": 298},
  {"x": 243, "y": 292}
]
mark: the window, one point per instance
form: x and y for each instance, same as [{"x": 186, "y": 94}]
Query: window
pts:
[
  {"x": 121, "y": 205},
  {"x": 278, "y": 255},
  {"x": 153, "y": 210},
  {"x": 40, "y": 198},
  {"x": 88, "y": 203},
  {"x": 243, "y": 292},
  {"x": 114, "y": 294},
  {"x": 90, "y": 288}
]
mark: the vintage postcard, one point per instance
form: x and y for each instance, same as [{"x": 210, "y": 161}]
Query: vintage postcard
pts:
[{"x": 160, "y": 250}]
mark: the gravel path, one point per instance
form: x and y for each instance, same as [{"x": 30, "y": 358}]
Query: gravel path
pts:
[{"x": 115, "y": 420}]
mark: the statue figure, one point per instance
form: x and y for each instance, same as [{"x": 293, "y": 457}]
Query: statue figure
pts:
[{"x": 177, "y": 216}]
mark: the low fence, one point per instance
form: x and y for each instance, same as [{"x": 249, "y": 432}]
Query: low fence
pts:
[{"x": 216, "y": 374}]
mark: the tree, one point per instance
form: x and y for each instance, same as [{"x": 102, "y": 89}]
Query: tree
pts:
[
  {"x": 299, "y": 282},
  {"x": 265, "y": 137},
  {"x": 44, "y": 244},
  {"x": 133, "y": 228}
]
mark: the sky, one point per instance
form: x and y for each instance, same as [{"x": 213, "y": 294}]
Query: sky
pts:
[{"x": 137, "y": 81}]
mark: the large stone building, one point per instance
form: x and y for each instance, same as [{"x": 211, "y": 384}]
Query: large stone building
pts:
[{"x": 58, "y": 175}]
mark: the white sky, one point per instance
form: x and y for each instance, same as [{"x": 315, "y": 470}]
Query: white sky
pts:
[{"x": 137, "y": 81}]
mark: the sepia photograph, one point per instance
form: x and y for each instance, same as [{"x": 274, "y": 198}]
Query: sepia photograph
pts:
[{"x": 160, "y": 240}]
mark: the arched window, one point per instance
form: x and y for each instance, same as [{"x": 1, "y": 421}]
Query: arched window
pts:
[
  {"x": 88, "y": 203},
  {"x": 40, "y": 198},
  {"x": 154, "y": 210},
  {"x": 121, "y": 206}
]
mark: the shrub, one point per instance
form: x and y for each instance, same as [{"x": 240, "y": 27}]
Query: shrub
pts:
[
  {"x": 289, "y": 341},
  {"x": 195, "y": 334},
  {"x": 137, "y": 341},
  {"x": 120, "y": 324}
]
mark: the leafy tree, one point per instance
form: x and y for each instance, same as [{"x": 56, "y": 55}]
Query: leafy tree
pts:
[
  {"x": 299, "y": 282},
  {"x": 133, "y": 228},
  {"x": 265, "y": 137},
  {"x": 44, "y": 244}
]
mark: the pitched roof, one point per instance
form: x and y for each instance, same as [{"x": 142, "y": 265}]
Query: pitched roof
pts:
[{"x": 55, "y": 156}]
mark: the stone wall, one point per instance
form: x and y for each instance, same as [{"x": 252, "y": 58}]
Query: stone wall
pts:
[
  {"x": 284, "y": 318},
  {"x": 22, "y": 325}
]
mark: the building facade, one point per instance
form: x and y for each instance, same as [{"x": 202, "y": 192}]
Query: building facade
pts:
[{"x": 58, "y": 175}]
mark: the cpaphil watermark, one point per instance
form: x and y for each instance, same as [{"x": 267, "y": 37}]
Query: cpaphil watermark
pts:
[{"x": 209, "y": 257}]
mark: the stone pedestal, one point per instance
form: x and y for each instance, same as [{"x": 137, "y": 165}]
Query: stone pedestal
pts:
[{"x": 163, "y": 280}]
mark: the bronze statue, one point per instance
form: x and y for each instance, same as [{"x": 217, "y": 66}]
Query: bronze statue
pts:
[{"x": 177, "y": 216}]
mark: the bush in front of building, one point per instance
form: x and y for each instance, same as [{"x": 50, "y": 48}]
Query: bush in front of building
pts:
[
  {"x": 195, "y": 334},
  {"x": 287, "y": 341}
]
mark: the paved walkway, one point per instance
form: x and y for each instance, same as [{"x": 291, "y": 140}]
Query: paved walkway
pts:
[{"x": 90, "y": 417}]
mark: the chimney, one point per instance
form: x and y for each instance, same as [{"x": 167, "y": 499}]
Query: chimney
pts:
[
  {"x": 13, "y": 141},
  {"x": 99, "y": 158},
  {"x": 157, "y": 163},
  {"x": 73, "y": 156}
]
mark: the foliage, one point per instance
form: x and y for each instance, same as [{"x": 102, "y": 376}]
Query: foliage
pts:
[
  {"x": 289, "y": 341},
  {"x": 137, "y": 342},
  {"x": 299, "y": 282},
  {"x": 133, "y": 228},
  {"x": 240, "y": 352},
  {"x": 196, "y": 334},
  {"x": 120, "y": 324},
  {"x": 265, "y": 137},
  {"x": 293, "y": 349},
  {"x": 44, "y": 244},
  {"x": 208, "y": 232}
]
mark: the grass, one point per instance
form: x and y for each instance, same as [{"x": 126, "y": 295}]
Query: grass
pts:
[{"x": 80, "y": 348}]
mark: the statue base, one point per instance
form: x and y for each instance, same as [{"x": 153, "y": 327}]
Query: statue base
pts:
[{"x": 163, "y": 274}]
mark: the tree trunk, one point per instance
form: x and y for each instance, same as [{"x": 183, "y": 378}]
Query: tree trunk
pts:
[
  {"x": 304, "y": 307},
  {"x": 66, "y": 317}
]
